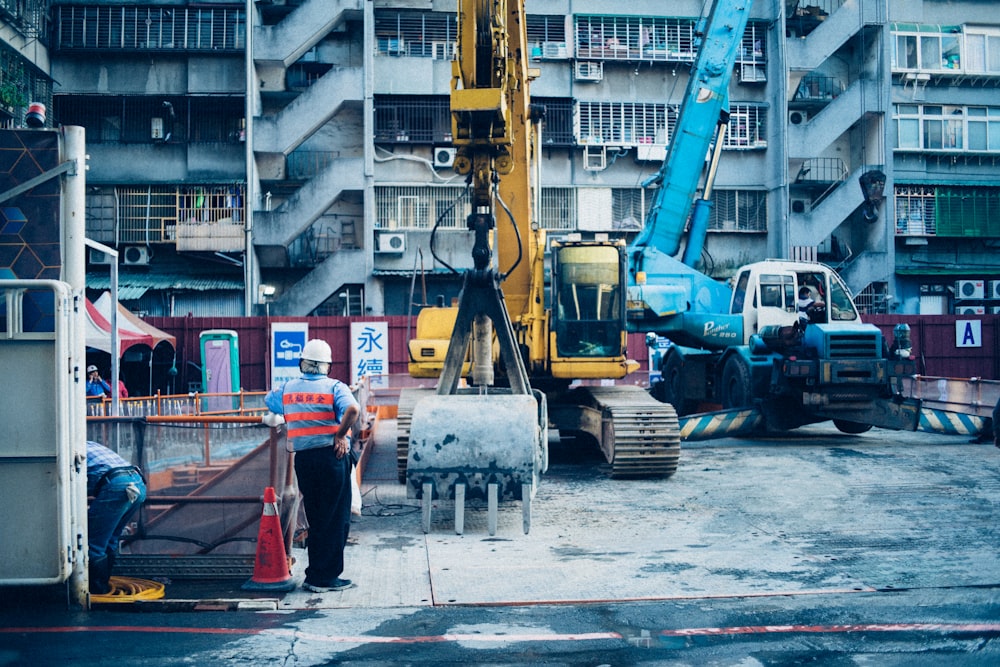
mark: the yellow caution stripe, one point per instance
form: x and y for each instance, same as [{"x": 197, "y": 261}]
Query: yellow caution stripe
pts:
[{"x": 720, "y": 424}]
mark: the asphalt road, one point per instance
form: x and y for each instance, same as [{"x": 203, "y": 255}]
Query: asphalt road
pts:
[{"x": 815, "y": 548}]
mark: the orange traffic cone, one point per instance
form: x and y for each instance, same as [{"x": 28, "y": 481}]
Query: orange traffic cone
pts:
[{"x": 270, "y": 568}]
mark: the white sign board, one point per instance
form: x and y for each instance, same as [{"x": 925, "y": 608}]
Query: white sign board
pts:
[
  {"x": 968, "y": 333},
  {"x": 287, "y": 341},
  {"x": 370, "y": 352}
]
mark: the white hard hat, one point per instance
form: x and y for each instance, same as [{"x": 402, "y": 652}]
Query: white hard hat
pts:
[
  {"x": 317, "y": 350},
  {"x": 92, "y": 368}
]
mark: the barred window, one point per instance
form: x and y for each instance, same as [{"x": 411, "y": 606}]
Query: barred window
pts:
[
  {"x": 420, "y": 207},
  {"x": 628, "y": 208},
  {"x": 557, "y": 126},
  {"x": 747, "y": 127},
  {"x": 412, "y": 119},
  {"x": 416, "y": 34},
  {"x": 624, "y": 123},
  {"x": 738, "y": 211},
  {"x": 131, "y": 28},
  {"x": 558, "y": 209},
  {"x": 635, "y": 38},
  {"x": 914, "y": 206},
  {"x": 150, "y": 119},
  {"x": 150, "y": 214},
  {"x": 547, "y": 37}
]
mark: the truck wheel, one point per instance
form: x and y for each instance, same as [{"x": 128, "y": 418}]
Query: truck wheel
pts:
[
  {"x": 852, "y": 428},
  {"x": 672, "y": 388},
  {"x": 736, "y": 391}
]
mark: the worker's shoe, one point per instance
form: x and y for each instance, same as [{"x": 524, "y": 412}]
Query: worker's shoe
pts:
[{"x": 335, "y": 585}]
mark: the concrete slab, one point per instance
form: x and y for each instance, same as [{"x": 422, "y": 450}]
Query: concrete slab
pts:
[{"x": 811, "y": 513}]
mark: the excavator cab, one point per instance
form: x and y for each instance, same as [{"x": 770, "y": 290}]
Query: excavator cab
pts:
[{"x": 588, "y": 308}]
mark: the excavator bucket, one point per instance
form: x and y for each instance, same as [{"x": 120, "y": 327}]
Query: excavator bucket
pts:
[{"x": 483, "y": 447}]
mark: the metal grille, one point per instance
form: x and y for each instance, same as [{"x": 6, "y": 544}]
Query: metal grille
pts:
[
  {"x": 150, "y": 28},
  {"x": 27, "y": 16},
  {"x": 406, "y": 207},
  {"x": 557, "y": 127},
  {"x": 151, "y": 119},
  {"x": 150, "y": 214},
  {"x": 747, "y": 127},
  {"x": 873, "y": 299},
  {"x": 558, "y": 209},
  {"x": 415, "y": 34},
  {"x": 738, "y": 211},
  {"x": 20, "y": 84},
  {"x": 623, "y": 123},
  {"x": 412, "y": 119},
  {"x": 547, "y": 37},
  {"x": 628, "y": 208},
  {"x": 915, "y": 212},
  {"x": 635, "y": 38}
]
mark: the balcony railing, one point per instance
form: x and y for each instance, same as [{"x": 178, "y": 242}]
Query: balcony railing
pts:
[{"x": 130, "y": 28}]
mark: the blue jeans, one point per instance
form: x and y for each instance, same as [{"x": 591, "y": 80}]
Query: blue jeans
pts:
[{"x": 110, "y": 510}]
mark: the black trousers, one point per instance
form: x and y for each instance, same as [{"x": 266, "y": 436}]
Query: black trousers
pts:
[{"x": 326, "y": 496}]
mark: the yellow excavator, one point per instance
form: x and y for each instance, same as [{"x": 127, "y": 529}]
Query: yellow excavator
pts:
[{"x": 513, "y": 358}]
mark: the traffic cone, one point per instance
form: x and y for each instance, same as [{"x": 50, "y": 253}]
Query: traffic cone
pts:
[{"x": 270, "y": 568}]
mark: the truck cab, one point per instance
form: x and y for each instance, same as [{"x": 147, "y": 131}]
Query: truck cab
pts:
[{"x": 767, "y": 294}]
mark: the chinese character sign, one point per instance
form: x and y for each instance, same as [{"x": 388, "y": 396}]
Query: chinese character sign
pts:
[
  {"x": 287, "y": 340},
  {"x": 370, "y": 352}
]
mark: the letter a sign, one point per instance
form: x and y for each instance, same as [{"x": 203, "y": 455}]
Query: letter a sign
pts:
[{"x": 968, "y": 333}]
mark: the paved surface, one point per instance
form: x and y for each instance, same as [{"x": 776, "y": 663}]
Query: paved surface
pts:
[{"x": 815, "y": 512}]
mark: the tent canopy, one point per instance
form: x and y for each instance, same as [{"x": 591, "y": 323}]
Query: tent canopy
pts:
[{"x": 131, "y": 329}]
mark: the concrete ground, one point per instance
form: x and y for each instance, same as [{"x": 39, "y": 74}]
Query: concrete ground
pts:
[{"x": 814, "y": 512}]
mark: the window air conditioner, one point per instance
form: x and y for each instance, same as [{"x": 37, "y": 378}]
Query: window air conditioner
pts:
[
  {"x": 970, "y": 289},
  {"x": 796, "y": 117},
  {"x": 970, "y": 310},
  {"x": 99, "y": 256},
  {"x": 993, "y": 289},
  {"x": 444, "y": 157},
  {"x": 801, "y": 205},
  {"x": 587, "y": 71},
  {"x": 391, "y": 242},
  {"x": 135, "y": 255}
]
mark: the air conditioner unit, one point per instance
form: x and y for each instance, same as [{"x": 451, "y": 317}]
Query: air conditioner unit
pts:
[
  {"x": 752, "y": 74},
  {"x": 993, "y": 289},
  {"x": 99, "y": 256},
  {"x": 650, "y": 153},
  {"x": 970, "y": 289},
  {"x": 970, "y": 310},
  {"x": 444, "y": 157},
  {"x": 588, "y": 71},
  {"x": 796, "y": 117},
  {"x": 135, "y": 255},
  {"x": 391, "y": 242},
  {"x": 801, "y": 205},
  {"x": 554, "y": 50}
]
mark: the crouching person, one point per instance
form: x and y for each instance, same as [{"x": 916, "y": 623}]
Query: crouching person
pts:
[{"x": 116, "y": 489}]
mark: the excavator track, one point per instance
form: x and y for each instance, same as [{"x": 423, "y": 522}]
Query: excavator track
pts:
[
  {"x": 640, "y": 435},
  {"x": 408, "y": 398}
]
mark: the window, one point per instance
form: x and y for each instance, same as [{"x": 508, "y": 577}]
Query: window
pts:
[
  {"x": 747, "y": 128},
  {"x": 150, "y": 214},
  {"x": 131, "y": 28},
  {"x": 587, "y": 293},
  {"x": 420, "y": 207},
  {"x": 982, "y": 51},
  {"x": 623, "y": 123},
  {"x": 415, "y": 34},
  {"x": 947, "y": 128},
  {"x": 948, "y": 210},
  {"x": 412, "y": 119},
  {"x": 558, "y": 209},
  {"x": 927, "y": 48},
  {"x": 738, "y": 211}
]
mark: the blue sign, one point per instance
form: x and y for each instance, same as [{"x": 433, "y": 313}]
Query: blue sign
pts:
[{"x": 288, "y": 348}]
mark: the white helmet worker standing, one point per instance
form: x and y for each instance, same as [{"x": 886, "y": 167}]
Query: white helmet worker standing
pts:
[{"x": 319, "y": 413}]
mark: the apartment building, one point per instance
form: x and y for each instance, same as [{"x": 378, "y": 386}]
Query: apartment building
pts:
[{"x": 315, "y": 176}]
